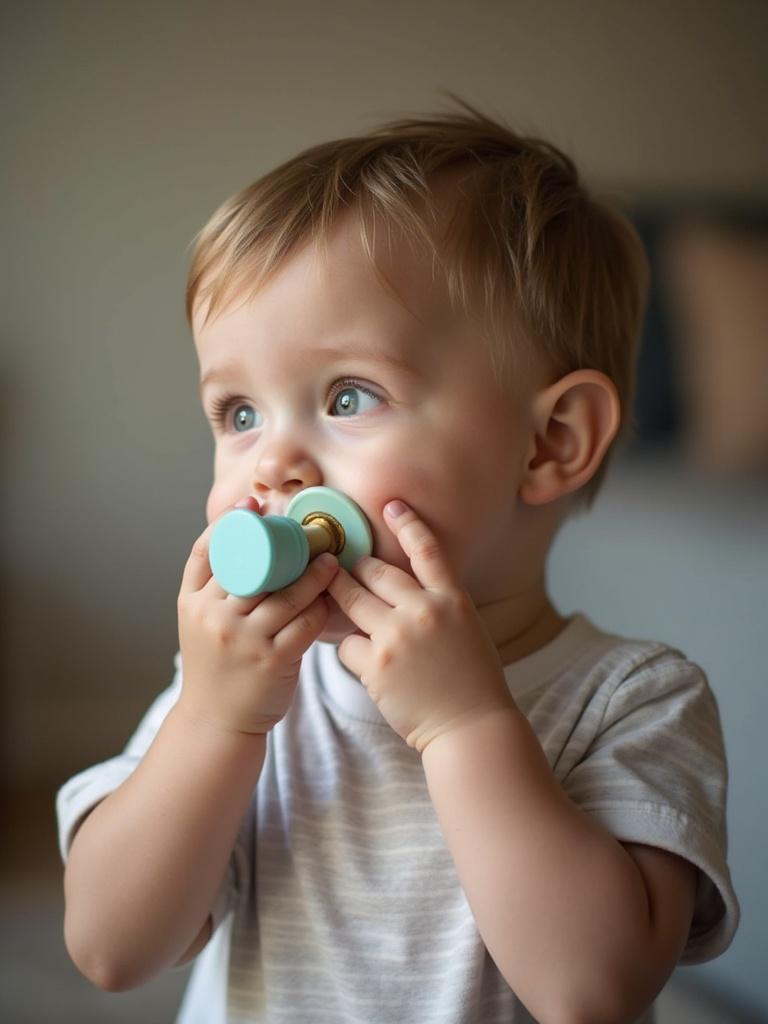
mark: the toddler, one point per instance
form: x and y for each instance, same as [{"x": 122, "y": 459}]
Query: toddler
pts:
[{"x": 414, "y": 792}]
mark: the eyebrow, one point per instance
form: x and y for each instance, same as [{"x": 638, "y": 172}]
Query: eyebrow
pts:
[
  {"x": 232, "y": 367},
  {"x": 348, "y": 352},
  {"x": 217, "y": 374}
]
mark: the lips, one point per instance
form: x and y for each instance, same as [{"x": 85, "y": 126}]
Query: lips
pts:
[{"x": 252, "y": 503}]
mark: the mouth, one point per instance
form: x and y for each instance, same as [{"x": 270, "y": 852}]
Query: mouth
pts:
[{"x": 270, "y": 508}]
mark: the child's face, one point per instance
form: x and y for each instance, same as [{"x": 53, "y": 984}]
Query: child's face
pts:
[{"x": 323, "y": 377}]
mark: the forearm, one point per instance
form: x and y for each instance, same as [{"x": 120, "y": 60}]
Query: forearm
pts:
[
  {"x": 560, "y": 904},
  {"x": 146, "y": 864}
]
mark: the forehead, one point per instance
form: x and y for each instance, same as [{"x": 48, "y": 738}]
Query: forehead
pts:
[{"x": 335, "y": 289}]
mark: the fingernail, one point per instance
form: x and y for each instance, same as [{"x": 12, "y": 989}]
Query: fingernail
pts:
[
  {"x": 395, "y": 508},
  {"x": 326, "y": 560}
]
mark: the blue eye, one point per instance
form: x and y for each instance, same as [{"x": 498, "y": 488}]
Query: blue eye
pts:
[
  {"x": 229, "y": 413},
  {"x": 352, "y": 399},
  {"x": 244, "y": 417}
]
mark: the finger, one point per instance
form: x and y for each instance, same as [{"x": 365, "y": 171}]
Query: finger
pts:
[
  {"x": 385, "y": 581},
  {"x": 281, "y": 607},
  {"x": 242, "y": 605},
  {"x": 422, "y": 547},
  {"x": 354, "y": 652},
  {"x": 197, "y": 571},
  {"x": 358, "y": 604},
  {"x": 293, "y": 639}
]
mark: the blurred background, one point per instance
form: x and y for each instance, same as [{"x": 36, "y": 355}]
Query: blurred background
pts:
[{"x": 124, "y": 124}]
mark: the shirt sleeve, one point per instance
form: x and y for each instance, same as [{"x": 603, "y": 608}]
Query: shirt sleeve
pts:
[
  {"x": 84, "y": 791},
  {"x": 656, "y": 773}
]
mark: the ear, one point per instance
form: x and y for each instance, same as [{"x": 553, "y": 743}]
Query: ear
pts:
[{"x": 574, "y": 421}]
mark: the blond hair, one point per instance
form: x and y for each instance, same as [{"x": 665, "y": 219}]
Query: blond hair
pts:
[{"x": 524, "y": 238}]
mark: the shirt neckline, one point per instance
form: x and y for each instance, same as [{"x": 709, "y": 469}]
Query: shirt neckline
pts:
[{"x": 346, "y": 691}]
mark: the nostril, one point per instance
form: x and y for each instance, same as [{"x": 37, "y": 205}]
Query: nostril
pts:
[{"x": 282, "y": 475}]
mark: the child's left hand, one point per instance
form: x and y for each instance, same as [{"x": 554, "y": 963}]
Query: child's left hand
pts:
[{"x": 426, "y": 660}]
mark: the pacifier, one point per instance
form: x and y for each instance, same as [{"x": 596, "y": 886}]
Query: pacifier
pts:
[{"x": 252, "y": 554}]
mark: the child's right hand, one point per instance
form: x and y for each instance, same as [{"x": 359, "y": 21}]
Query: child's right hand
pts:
[{"x": 241, "y": 656}]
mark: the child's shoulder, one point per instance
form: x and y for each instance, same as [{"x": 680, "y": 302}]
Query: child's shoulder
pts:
[{"x": 588, "y": 665}]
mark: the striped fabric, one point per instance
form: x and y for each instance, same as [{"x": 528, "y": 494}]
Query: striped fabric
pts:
[{"x": 342, "y": 903}]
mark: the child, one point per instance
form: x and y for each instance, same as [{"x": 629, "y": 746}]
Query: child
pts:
[{"x": 413, "y": 792}]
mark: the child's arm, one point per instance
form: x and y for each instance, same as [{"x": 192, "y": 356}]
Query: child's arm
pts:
[
  {"x": 146, "y": 864},
  {"x": 581, "y": 927}
]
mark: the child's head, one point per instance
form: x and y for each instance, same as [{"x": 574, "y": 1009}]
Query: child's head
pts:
[
  {"x": 435, "y": 312},
  {"x": 547, "y": 271}
]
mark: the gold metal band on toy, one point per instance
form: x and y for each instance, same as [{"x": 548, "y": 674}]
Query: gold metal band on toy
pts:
[{"x": 324, "y": 533}]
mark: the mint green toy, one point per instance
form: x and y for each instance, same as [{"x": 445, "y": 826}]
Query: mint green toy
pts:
[{"x": 252, "y": 554}]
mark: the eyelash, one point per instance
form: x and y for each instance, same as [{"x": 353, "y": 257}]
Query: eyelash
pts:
[
  {"x": 224, "y": 404},
  {"x": 221, "y": 406},
  {"x": 350, "y": 382}
]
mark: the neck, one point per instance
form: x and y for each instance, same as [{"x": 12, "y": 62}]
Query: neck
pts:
[{"x": 521, "y": 623}]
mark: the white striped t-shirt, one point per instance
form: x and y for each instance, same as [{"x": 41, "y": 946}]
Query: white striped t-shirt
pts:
[{"x": 342, "y": 903}]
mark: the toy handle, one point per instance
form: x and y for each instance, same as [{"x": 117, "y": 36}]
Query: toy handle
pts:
[{"x": 251, "y": 554}]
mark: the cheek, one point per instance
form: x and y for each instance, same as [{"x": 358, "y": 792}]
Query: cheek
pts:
[
  {"x": 219, "y": 500},
  {"x": 459, "y": 496},
  {"x": 419, "y": 487}
]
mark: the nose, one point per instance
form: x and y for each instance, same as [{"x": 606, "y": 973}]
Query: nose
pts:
[{"x": 284, "y": 467}]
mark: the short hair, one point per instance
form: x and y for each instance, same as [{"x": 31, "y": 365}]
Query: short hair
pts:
[{"x": 525, "y": 242}]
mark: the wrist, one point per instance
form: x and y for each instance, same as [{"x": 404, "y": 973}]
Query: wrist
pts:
[
  {"x": 497, "y": 748},
  {"x": 205, "y": 726},
  {"x": 464, "y": 725}
]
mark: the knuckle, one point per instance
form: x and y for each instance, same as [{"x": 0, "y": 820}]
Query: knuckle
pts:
[
  {"x": 379, "y": 570},
  {"x": 222, "y": 632},
  {"x": 200, "y": 549},
  {"x": 383, "y": 658},
  {"x": 288, "y": 598},
  {"x": 426, "y": 548},
  {"x": 428, "y": 616},
  {"x": 304, "y": 618},
  {"x": 348, "y": 600},
  {"x": 460, "y": 603},
  {"x": 307, "y": 622}
]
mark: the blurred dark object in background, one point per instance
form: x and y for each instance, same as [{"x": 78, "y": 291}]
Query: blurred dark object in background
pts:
[
  {"x": 657, "y": 399},
  {"x": 702, "y": 386}
]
